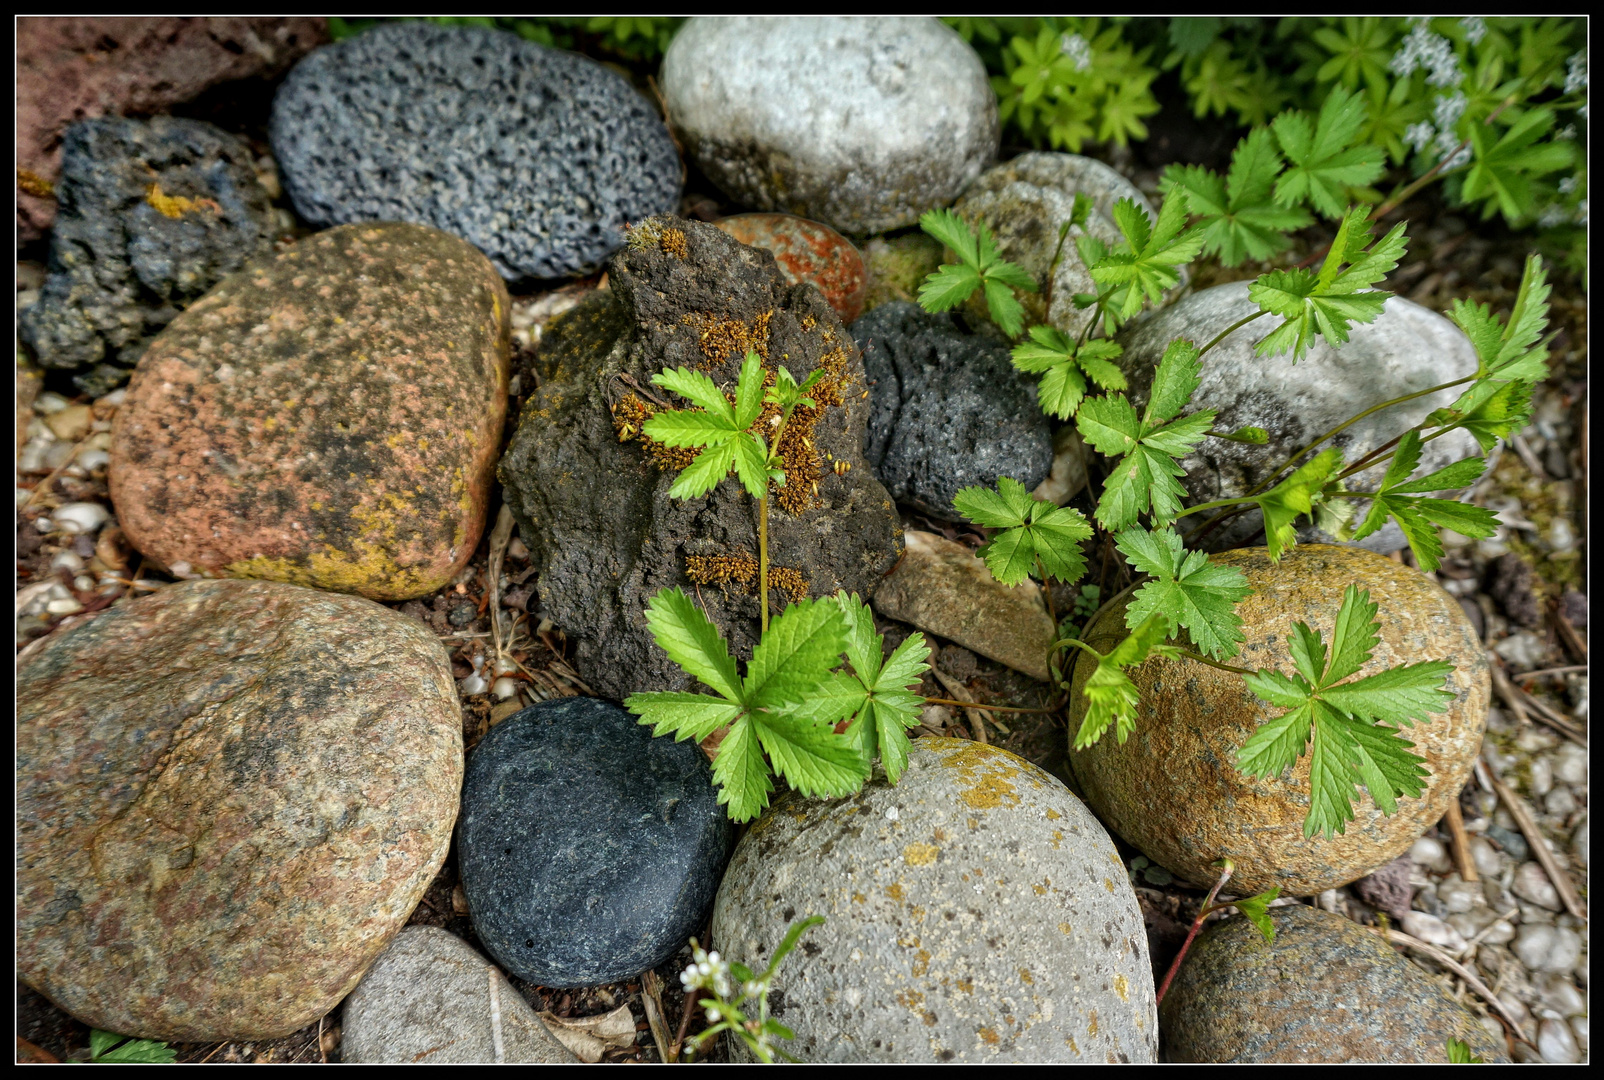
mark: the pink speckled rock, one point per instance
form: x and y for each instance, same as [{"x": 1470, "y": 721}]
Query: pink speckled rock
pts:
[
  {"x": 230, "y": 796},
  {"x": 808, "y": 251},
  {"x": 328, "y": 418}
]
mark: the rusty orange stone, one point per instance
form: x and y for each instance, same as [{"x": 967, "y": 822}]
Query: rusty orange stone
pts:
[
  {"x": 327, "y": 418},
  {"x": 807, "y": 251}
]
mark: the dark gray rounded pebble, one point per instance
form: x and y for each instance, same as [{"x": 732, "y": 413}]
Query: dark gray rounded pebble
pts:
[
  {"x": 150, "y": 215},
  {"x": 950, "y": 410},
  {"x": 536, "y": 156},
  {"x": 590, "y": 851}
]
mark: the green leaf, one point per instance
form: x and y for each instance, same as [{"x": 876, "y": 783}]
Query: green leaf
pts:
[
  {"x": 1459, "y": 1054},
  {"x": 1489, "y": 411},
  {"x": 954, "y": 232},
  {"x": 1239, "y": 218},
  {"x": 1064, "y": 368},
  {"x": 1148, "y": 258},
  {"x": 682, "y": 715},
  {"x": 886, "y": 707},
  {"x": 132, "y": 1052},
  {"x": 1032, "y": 529},
  {"x": 692, "y": 641},
  {"x": 1252, "y": 436},
  {"x": 1145, "y": 478},
  {"x": 1502, "y": 172},
  {"x": 1416, "y": 515},
  {"x": 1187, "y": 588},
  {"x": 797, "y": 653},
  {"x": 741, "y": 773},
  {"x": 749, "y": 391},
  {"x": 1354, "y": 636},
  {"x": 1177, "y": 378},
  {"x": 1111, "y": 697},
  {"x": 1006, "y": 311},
  {"x": 698, "y": 389},
  {"x": 1256, "y": 909},
  {"x": 685, "y": 427},
  {"x": 792, "y": 936},
  {"x": 1276, "y": 744},
  {"x": 751, "y": 464},
  {"x": 101, "y": 1041},
  {"x": 811, "y": 757},
  {"x": 1399, "y": 695},
  {"x": 948, "y": 287},
  {"x": 1322, "y": 158},
  {"x": 704, "y": 474},
  {"x": 1295, "y": 495}
]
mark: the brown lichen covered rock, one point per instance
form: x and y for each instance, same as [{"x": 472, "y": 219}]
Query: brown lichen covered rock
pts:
[
  {"x": 1325, "y": 990},
  {"x": 807, "y": 251},
  {"x": 230, "y": 795},
  {"x": 943, "y": 589},
  {"x": 71, "y": 69},
  {"x": 1173, "y": 790},
  {"x": 591, "y": 496},
  {"x": 328, "y": 418}
]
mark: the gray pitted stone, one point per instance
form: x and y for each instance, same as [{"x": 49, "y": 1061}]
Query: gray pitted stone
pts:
[
  {"x": 230, "y": 795},
  {"x": 861, "y": 123},
  {"x": 595, "y": 510},
  {"x": 150, "y": 214},
  {"x": 431, "y": 998},
  {"x": 1025, "y": 202},
  {"x": 1408, "y": 348},
  {"x": 1325, "y": 990},
  {"x": 976, "y": 912},
  {"x": 950, "y": 410},
  {"x": 590, "y": 851},
  {"x": 536, "y": 156}
]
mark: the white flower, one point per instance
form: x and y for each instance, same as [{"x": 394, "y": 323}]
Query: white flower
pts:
[
  {"x": 1581, "y": 212},
  {"x": 1553, "y": 215},
  {"x": 1475, "y": 28},
  {"x": 1566, "y": 132},
  {"x": 1576, "y": 73},
  {"x": 1419, "y": 135},
  {"x": 1076, "y": 48},
  {"x": 1460, "y": 158},
  {"x": 1435, "y": 53},
  {"x": 1448, "y": 110},
  {"x": 1567, "y": 185},
  {"x": 714, "y": 1013}
]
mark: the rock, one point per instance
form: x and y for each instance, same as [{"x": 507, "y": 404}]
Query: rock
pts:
[
  {"x": 1068, "y": 476},
  {"x": 807, "y": 251},
  {"x": 595, "y": 511},
  {"x": 1408, "y": 348},
  {"x": 1542, "y": 947},
  {"x": 432, "y": 998},
  {"x": 230, "y": 795},
  {"x": 1173, "y": 789},
  {"x": 1325, "y": 990},
  {"x": 1431, "y": 930},
  {"x": 329, "y": 417},
  {"x": 152, "y": 214},
  {"x": 1556, "y": 1043},
  {"x": 536, "y": 156},
  {"x": 71, "y": 69},
  {"x": 944, "y": 589},
  {"x": 1388, "y": 888},
  {"x": 949, "y": 409},
  {"x": 1025, "y": 202},
  {"x": 898, "y": 265},
  {"x": 861, "y": 123},
  {"x": 1532, "y": 884},
  {"x": 976, "y": 912},
  {"x": 1430, "y": 853},
  {"x": 1509, "y": 581},
  {"x": 589, "y": 850}
]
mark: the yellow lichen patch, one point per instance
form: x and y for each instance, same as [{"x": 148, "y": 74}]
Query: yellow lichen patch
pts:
[
  {"x": 1065, "y": 928},
  {"x": 921, "y": 963},
  {"x": 1026, "y": 977},
  {"x": 911, "y": 999},
  {"x": 721, "y": 338},
  {"x": 1053, "y": 815},
  {"x": 1091, "y": 1029},
  {"x": 644, "y": 235},
  {"x": 966, "y": 985},
  {"x": 1041, "y": 890},
  {"x": 988, "y": 1036},
  {"x": 1122, "y": 987},
  {"x": 673, "y": 242},
  {"x": 920, "y": 854},
  {"x": 859, "y": 898},
  {"x": 1107, "y": 884},
  {"x": 175, "y": 206},
  {"x": 988, "y": 773},
  {"x": 31, "y": 183},
  {"x": 895, "y": 892}
]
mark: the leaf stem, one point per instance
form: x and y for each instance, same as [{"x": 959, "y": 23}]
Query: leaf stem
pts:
[
  {"x": 1190, "y": 655},
  {"x": 1197, "y": 925},
  {"x": 980, "y": 705},
  {"x": 763, "y": 555},
  {"x": 1052, "y": 268},
  {"x": 1214, "y": 505},
  {"x": 1229, "y": 330},
  {"x": 1047, "y": 591}
]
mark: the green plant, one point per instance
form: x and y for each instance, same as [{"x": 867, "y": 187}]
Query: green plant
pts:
[
  {"x": 978, "y": 267},
  {"x": 1256, "y": 909},
  {"x": 1459, "y": 1054},
  {"x": 735, "y": 989},
  {"x": 107, "y": 1048}
]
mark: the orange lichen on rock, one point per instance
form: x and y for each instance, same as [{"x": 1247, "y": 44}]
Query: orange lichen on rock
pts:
[{"x": 175, "y": 206}]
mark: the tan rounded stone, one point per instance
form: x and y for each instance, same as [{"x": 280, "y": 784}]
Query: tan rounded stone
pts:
[
  {"x": 1173, "y": 789},
  {"x": 329, "y": 418}
]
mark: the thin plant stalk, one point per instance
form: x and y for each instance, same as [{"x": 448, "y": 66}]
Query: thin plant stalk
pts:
[
  {"x": 763, "y": 555},
  {"x": 1204, "y": 912}
]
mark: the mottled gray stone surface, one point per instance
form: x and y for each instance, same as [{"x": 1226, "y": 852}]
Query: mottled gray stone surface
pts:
[
  {"x": 536, "y": 156},
  {"x": 1325, "y": 991},
  {"x": 1408, "y": 348},
  {"x": 861, "y": 123},
  {"x": 150, "y": 214},
  {"x": 230, "y": 795},
  {"x": 432, "y": 999},
  {"x": 976, "y": 912},
  {"x": 1025, "y": 202},
  {"x": 949, "y": 409},
  {"x": 589, "y": 850}
]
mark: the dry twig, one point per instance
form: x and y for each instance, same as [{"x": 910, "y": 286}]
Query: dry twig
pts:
[
  {"x": 960, "y": 692},
  {"x": 1534, "y": 840},
  {"x": 1476, "y": 985}
]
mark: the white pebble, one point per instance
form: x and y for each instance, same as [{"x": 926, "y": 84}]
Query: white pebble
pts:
[
  {"x": 83, "y": 583},
  {"x": 1536, "y": 738},
  {"x": 1542, "y": 781},
  {"x": 505, "y": 665},
  {"x": 1579, "y": 1029},
  {"x": 1560, "y": 802},
  {"x": 115, "y": 398},
  {"x": 1579, "y": 843},
  {"x": 43, "y": 525},
  {"x": 1531, "y": 883},
  {"x": 893, "y": 814},
  {"x": 81, "y": 518},
  {"x": 1430, "y": 853},
  {"x": 91, "y": 460},
  {"x": 1532, "y": 944},
  {"x": 1556, "y": 1043},
  {"x": 67, "y": 560},
  {"x": 1561, "y": 537},
  {"x": 1489, "y": 861},
  {"x": 1561, "y": 995},
  {"x": 1459, "y": 896},
  {"x": 504, "y": 688},
  {"x": 1570, "y": 765},
  {"x": 69, "y": 606},
  {"x": 1432, "y": 930},
  {"x": 1499, "y": 932},
  {"x": 1560, "y": 947},
  {"x": 474, "y": 684},
  {"x": 49, "y": 402},
  {"x": 1525, "y": 650}
]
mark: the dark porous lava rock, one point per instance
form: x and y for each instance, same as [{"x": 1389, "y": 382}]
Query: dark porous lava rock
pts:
[
  {"x": 1325, "y": 990},
  {"x": 150, "y": 215},
  {"x": 70, "y": 69},
  {"x": 949, "y": 411},
  {"x": 329, "y": 417},
  {"x": 591, "y": 496},
  {"x": 230, "y": 795},
  {"x": 536, "y": 156},
  {"x": 589, "y": 850}
]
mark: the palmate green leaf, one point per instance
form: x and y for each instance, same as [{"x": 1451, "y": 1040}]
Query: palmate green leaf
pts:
[
  {"x": 1501, "y": 171},
  {"x": 1006, "y": 311},
  {"x": 1175, "y": 381},
  {"x": 693, "y": 642},
  {"x": 954, "y": 232},
  {"x": 682, "y": 715},
  {"x": 1354, "y": 636},
  {"x": 1145, "y": 478},
  {"x": 886, "y": 707},
  {"x": 688, "y": 427},
  {"x": 797, "y": 653},
  {"x": 1111, "y": 697},
  {"x": 705, "y": 473},
  {"x": 749, "y": 391},
  {"x": 1459, "y": 1054},
  {"x": 811, "y": 757},
  {"x": 1187, "y": 588},
  {"x": 1032, "y": 529},
  {"x": 741, "y": 773},
  {"x": 1489, "y": 410},
  {"x": 1294, "y": 496},
  {"x": 1399, "y": 695},
  {"x": 948, "y": 287},
  {"x": 1512, "y": 351},
  {"x": 1064, "y": 369},
  {"x": 129, "y": 1052},
  {"x": 1416, "y": 514},
  {"x": 1239, "y": 219},
  {"x": 1256, "y": 909},
  {"x": 1322, "y": 158},
  {"x": 1148, "y": 259},
  {"x": 699, "y": 390}
]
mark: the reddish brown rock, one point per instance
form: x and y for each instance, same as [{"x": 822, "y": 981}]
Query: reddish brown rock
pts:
[
  {"x": 807, "y": 251},
  {"x": 230, "y": 796},
  {"x": 1173, "y": 790},
  {"x": 74, "y": 68},
  {"x": 328, "y": 418}
]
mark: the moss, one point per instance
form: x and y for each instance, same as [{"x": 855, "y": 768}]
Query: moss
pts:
[
  {"x": 897, "y": 265},
  {"x": 721, "y": 338},
  {"x": 741, "y": 570}
]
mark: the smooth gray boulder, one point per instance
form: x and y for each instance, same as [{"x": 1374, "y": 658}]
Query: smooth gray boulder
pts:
[
  {"x": 976, "y": 912},
  {"x": 861, "y": 123},
  {"x": 1408, "y": 348},
  {"x": 432, "y": 999},
  {"x": 1024, "y": 202}
]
